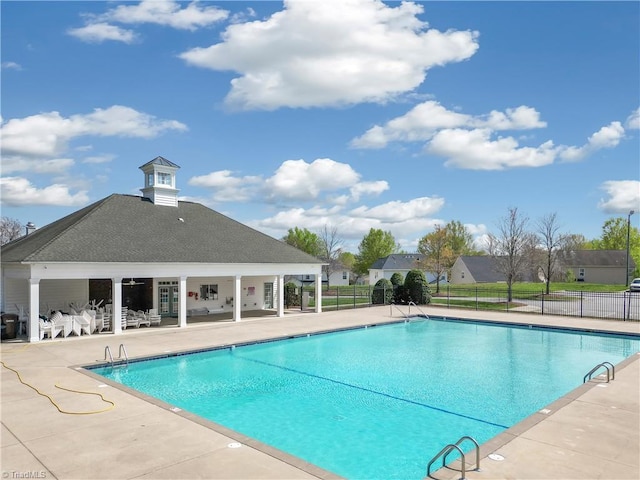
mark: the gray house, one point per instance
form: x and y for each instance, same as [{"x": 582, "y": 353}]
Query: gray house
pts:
[
  {"x": 599, "y": 266},
  {"x": 593, "y": 266},
  {"x": 475, "y": 269},
  {"x": 149, "y": 251}
]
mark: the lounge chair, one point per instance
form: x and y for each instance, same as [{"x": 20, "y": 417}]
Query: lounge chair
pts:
[
  {"x": 131, "y": 319},
  {"x": 154, "y": 318},
  {"x": 142, "y": 319}
]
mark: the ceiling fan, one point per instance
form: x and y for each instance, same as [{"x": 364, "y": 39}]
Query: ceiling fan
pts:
[{"x": 131, "y": 283}]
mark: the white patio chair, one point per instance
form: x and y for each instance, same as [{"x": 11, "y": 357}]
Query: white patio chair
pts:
[
  {"x": 143, "y": 319},
  {"x": 64, "y": 321},
  {"x": 49, "y": 329},
  {"x": 154, "y": 318}
]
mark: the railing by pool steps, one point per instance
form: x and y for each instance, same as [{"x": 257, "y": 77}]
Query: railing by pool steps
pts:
[
  {"x": 121, "y": 350},
  {"x": 605, "y": 365},
  {"x": 456, "y": 446}
]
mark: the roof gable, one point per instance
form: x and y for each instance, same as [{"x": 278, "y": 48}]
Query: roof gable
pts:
[
  {"x": 127, "y": 228},
  {"x": 398, "y": 261}
]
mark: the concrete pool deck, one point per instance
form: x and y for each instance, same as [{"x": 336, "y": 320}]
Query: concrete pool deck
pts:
[{"x": 593, "y": 432}]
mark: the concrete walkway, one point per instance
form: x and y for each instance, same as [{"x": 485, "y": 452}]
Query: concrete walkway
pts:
[{"x": 594, "y": 432}]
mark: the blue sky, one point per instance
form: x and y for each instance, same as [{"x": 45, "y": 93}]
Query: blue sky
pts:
[{"x": 355, "y": 114}]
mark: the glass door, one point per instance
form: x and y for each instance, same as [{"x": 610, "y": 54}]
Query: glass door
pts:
[
  {"x": 268, "y": 295},
  {"x": 168, "y": 298}
]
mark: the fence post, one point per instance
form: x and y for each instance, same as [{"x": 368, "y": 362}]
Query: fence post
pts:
[
  {"x": 581, "y": 302},
  {"x": 354, "y": 297},
  {"x": 477, "y": 307},
  {"x": 542, "y": 313}
]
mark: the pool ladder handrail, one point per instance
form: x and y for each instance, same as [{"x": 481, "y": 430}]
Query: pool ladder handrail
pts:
[
  {"x": 456, "y": 446},
  {"x": 419, "y": 309},
  {"x": 122, "y": 349},
  {"x": 107, "y": 350},
  {"x": 392, "y": 305},
  {"x": 606, "y": 365}
]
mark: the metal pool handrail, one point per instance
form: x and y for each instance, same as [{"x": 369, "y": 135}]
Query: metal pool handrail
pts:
[{"x": 595, "y": 369}]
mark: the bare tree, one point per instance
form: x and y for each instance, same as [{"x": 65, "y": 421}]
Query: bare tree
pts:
[
  {"x": 509, "y": 247},
  {"x": 10, "y": 229},
  {"x": 552, "y": 241},
  {"x": 330, "y": 249}
]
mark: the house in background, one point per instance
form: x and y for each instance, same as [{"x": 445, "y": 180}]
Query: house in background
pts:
[
  {"x": 400, "y": 263},
  {"x": 599, "y": 266},
  {"x": 469, "y": 269},
  {"x": 149, "y": 251},
  {"x": 592, "y": 266},
  {"x": 337, "y": 278}
]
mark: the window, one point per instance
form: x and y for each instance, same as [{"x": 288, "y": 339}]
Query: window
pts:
[
  {"x": 344, "y": 275},
  {"x": 150, "y": 179},
  {"x": 164, "y": 178},
  {"x": 209, "y": 292}
]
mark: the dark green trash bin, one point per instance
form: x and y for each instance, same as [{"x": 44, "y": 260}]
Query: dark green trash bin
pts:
[{"x": 10, "y": 323}]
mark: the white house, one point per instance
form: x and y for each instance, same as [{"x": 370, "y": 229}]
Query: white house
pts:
[{"x": 149, "y": 251}]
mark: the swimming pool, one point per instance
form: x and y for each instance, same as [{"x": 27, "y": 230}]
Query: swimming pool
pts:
[{"x": 378, "y": 402}]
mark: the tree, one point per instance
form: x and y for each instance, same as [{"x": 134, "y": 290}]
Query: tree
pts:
[
  {"x": 552, "y": 241},
  {"x": 330, "y": 249},
  {"x": 416, "y": 288},
  {"x": 438, "y": 254},
  {"x": 382, "y": 292},
  {"x": 10, "y": 229},
  {"x": 304, "y": 240},
  {"x": 459, "y": 239},
  {"x": 509, "y": 245},
  {"x": 614, "y": 237},
  {"x": 398, "y": 287},
  {"x": 376, "y": 244}
]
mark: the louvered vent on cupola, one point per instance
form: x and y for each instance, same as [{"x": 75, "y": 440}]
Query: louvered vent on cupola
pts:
[{"x": 160, "y": 182}]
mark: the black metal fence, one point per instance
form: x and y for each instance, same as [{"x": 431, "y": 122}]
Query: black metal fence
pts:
[{"x": 609, "y": 305}]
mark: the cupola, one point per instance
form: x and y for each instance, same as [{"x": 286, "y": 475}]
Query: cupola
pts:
[{"x": 160, "y": 182}]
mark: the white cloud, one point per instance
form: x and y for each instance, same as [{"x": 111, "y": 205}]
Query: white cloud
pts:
[
  {"x": 100, "y": 28},
  {"x": 167, "y": 13},
  {"x": 607, "y": 137},
  {"x": 368, "y": 188},
  {"x": 397, "y": 211},
  {"x": 623, "y": 196},
  {"x": 17, "y": 191},
  {"x": 633, "y": 120},
  {"x": 228, "y": 188},
  {"x": 425, "y": 119},
  {"x": 11, "y": 66},
  {"x": 475, "y": 150},
  {"x": 100, "y": 32},
  {"x": 97, "y": 159},
  {"x": 48, "y": 134},
  {"x": 299, "y": 180},
  {"x": 18, "y": 163},
  {"x": 331, "y": 53}
]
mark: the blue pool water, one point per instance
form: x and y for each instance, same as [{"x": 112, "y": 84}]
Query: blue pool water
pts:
[{"x": 378, "y": 403}]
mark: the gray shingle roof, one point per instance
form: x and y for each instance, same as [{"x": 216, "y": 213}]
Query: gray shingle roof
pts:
[
  {"x": 160, "y": 161},
  {"x": 599, "y": 258},
  {"x": 127, "y": 228},
  {"x": 483, "y": 268},
  {"x": 398, "y": 261}
]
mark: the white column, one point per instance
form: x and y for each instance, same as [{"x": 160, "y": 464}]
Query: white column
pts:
[
  {"x": 319, "y": 293},
  {"x": 237, "y": 298},
  {"x": 116, "y": 289},
  {"x": 182, "y": 302},
  {"x": 33, "y": 326},
  {"x": 280, "y": 287}
]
